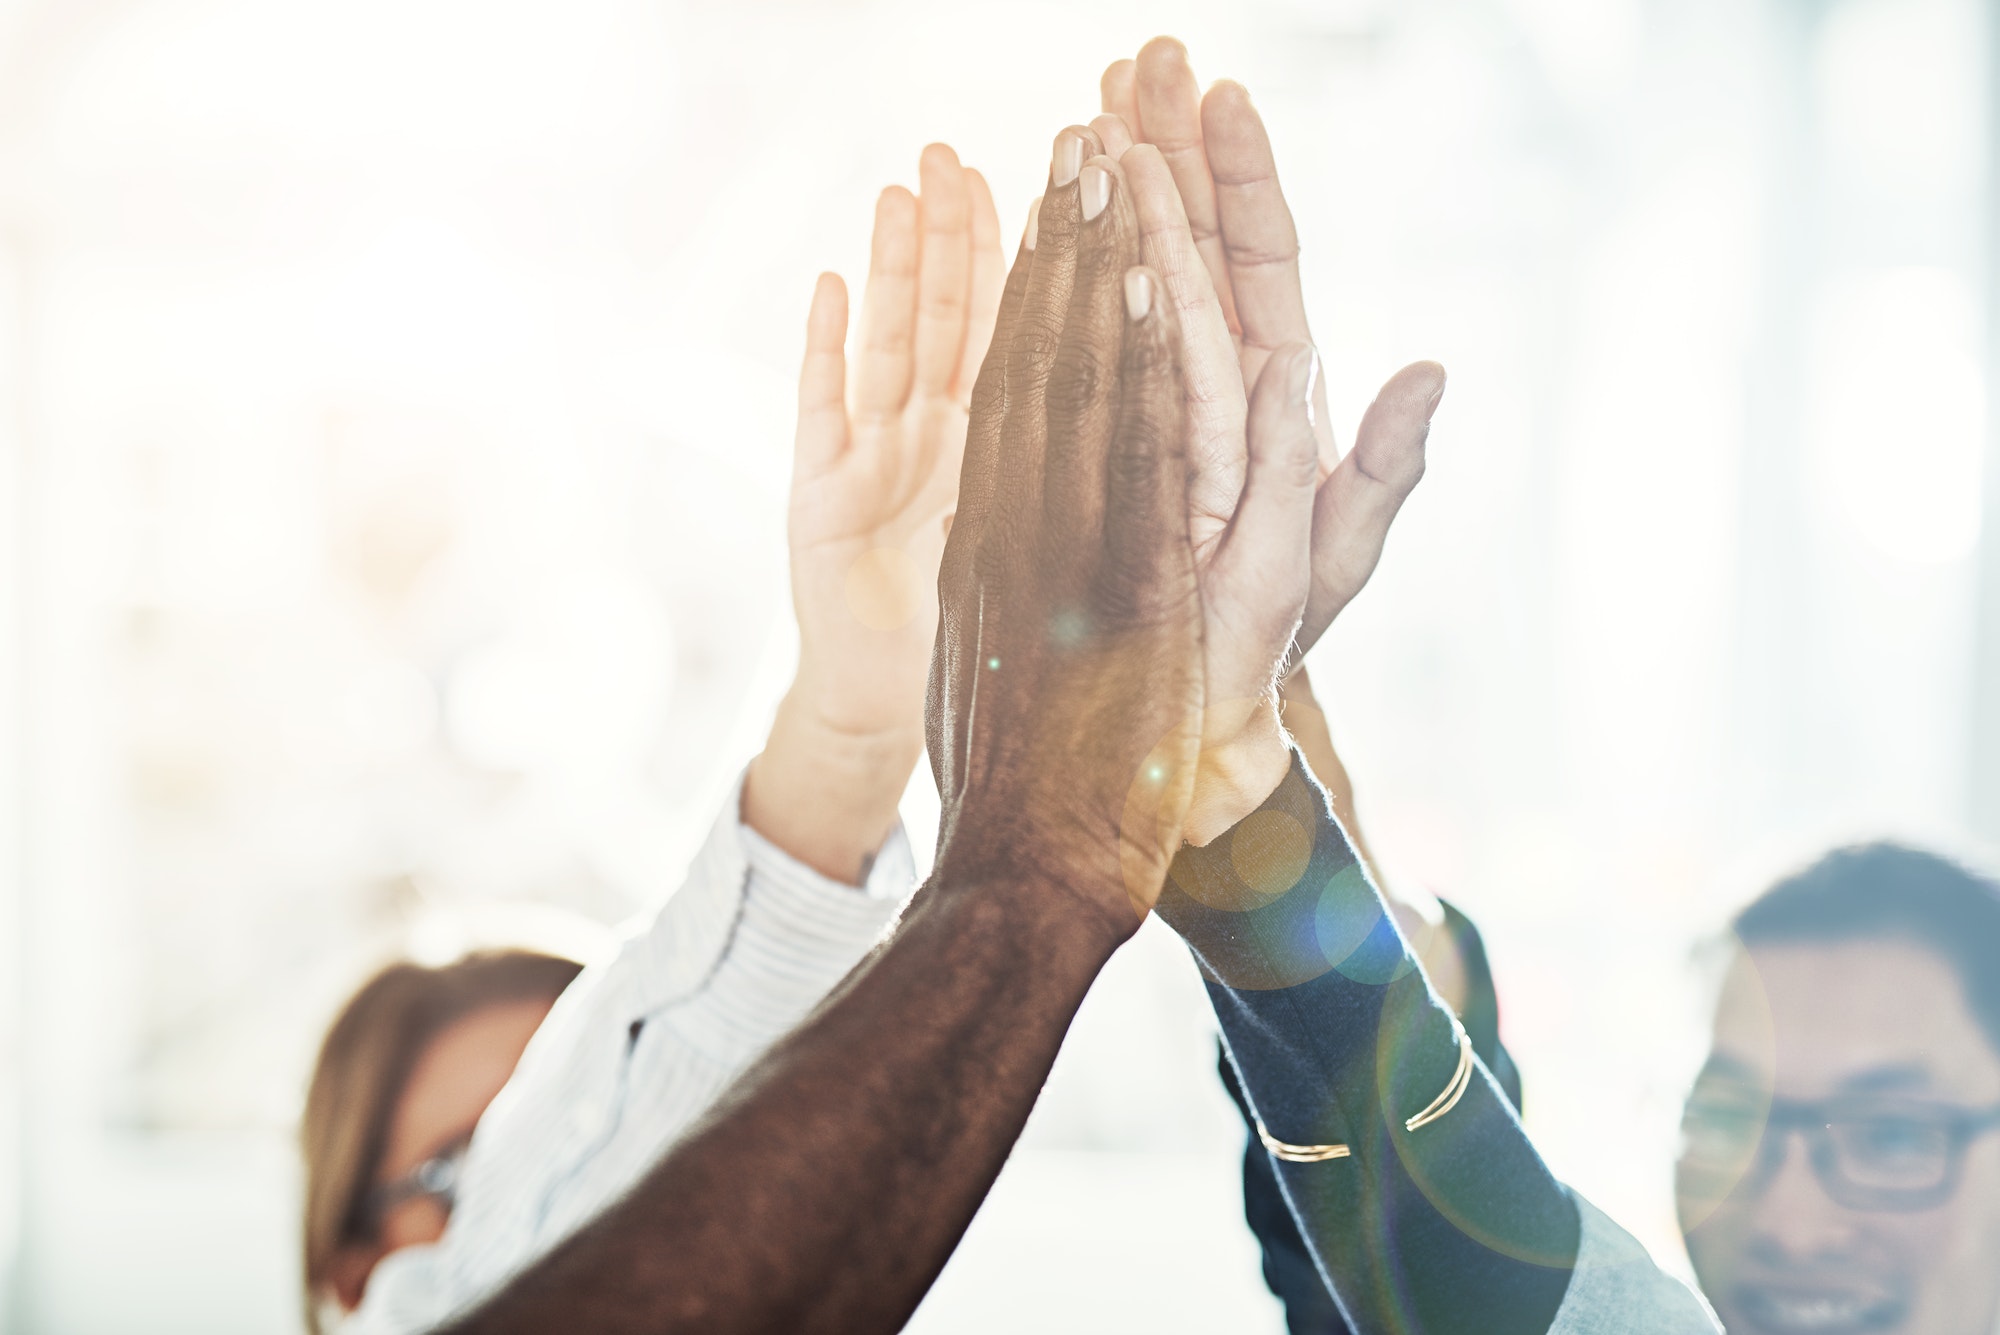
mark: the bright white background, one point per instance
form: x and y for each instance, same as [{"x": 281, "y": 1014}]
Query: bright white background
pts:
[{"x": 394, "y": 422}]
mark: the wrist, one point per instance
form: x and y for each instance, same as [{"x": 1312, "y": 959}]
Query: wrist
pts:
[
  {"x": 1296, "y": 688},
  {"x": 1237, "y": 774},
  {"x": 825, "y": 793},
  {"x": 1280, "y": 898},
  {"x": 869, "y": 698},
  {"x": 818, "y": 721},
  {"x": 1086, "y": 891},
  {"x": 1055, "y": 916}
]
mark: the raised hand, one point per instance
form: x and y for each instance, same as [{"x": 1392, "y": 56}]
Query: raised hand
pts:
[
  {"x": 1067, "y": 686},
  {"x": 1215, "y": 225},
  {"x": 874, "y": 481},
  {"x": 1251, "y": 537},
  {"x": 826, "y": 1189}
]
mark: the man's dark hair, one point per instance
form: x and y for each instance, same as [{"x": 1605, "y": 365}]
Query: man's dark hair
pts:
[{"x": 1877, "y": 890}]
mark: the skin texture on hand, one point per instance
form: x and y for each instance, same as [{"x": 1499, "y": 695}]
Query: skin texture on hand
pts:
[
  {"x": 1252, "y": 561},
  {"x": 1066, "y": 688},
  {"x": 826, "y": 1189},
  {"x": 1216, "y": 227},
  {"x": 874, "y": 480}
]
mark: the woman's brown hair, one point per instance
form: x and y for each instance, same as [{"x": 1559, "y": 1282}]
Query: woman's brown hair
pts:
[{"x": 363, "y": 1065}]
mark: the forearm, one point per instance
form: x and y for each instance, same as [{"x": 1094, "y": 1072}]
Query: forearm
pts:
[
  {"x": 1418, "y": 912},
  {"x": 1457, "y": 1226},
  {"x": 1289, "y": 1269},
  {"x": 827, "y": 1188},
  {"x": 1305, "y": 720},
  {"x": 826, "y": 795}
]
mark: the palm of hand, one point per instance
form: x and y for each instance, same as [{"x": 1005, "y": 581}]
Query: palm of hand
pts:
[
  {"x": 866, "y": 536},
  {"x": 1240, "y": 278},
  {"x": 874, "y": 483}
]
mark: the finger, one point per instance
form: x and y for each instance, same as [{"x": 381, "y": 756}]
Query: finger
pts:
[
  {"x": 1037, "y": 332},
  {"x": 1256, "y": 587},
  {"x": 944, "y": 273},
  {"x": 822, "y": 433},
  {"x": 1209, "y": 366},
  {"x": 1259, "y": 240},
  {"x": 1170, "y": 109},
  {"x": 989, "y": 278},
  {"x": 888, "y": 308},
  {"x": 1083, "y": 387},
  {"x": 1148, "y": 563},
  {"x": 1119, "y": 89},
  {"x": 1113, "y": 133},
  {"x": 1359, "y": 500}
]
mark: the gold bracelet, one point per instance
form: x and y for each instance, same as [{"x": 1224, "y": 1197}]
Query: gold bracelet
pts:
[{"x": 1439, "y": 1106}]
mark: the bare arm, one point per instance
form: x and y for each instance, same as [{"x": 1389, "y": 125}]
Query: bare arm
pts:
[{"x": 824, "y": 1192}]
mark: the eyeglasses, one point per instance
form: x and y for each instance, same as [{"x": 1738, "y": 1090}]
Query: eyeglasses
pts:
[
  {"x": 435, "y": 1178},
  {"x": 1868, "y": 1153}
]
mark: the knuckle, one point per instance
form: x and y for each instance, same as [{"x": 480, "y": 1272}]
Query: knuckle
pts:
[
  {"x": 894, "y": 341},
  {"x": 1083, "y": 377},
  {"x": 1136, "y": 467},
  {"x": 1298, "y": 464},
  {"x": 1037, "y": 338},
  {"x": 1256, "y": 254},
  {"x": 946, "y": 302}
]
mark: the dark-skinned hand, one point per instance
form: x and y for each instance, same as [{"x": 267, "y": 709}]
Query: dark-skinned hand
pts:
[{"x": 1066, "y": 688}]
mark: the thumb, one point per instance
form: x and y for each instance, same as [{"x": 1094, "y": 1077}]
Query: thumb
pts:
[{"x": 1360, "y": 498}]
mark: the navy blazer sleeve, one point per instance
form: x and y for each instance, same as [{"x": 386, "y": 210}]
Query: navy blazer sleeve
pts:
[
  {"x": 1288, "y": 1265},
  {"x": 1334, "y": 1035}
]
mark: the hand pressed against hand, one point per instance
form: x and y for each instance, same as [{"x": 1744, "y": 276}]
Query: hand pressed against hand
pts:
[
  {"x": 874, "y": 481},
  {"x": 1067, "y": 684},
  {"x": 1215, "y": 225},
  {"x": 1255, "y": 462}
]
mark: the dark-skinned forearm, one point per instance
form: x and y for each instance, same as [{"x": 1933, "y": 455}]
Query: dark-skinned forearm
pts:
[{"x": 826, "y": 1190}]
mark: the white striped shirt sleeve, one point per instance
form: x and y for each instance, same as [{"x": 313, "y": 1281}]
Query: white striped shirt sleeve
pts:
[{"x": 635, "y": 1051}]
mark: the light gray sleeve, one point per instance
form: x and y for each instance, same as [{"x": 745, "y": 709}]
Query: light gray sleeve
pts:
[{"x": 1617, "y": 1289}]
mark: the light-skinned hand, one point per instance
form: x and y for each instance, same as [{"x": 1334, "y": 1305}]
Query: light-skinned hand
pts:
[
  {"x": 875, "y": 478},
  {"x": 1215, "y": 225}
]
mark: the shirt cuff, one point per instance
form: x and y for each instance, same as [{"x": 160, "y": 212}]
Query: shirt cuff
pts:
[
  {"x": 892, "y": 872},
  {"x": 739, "y": 877}
]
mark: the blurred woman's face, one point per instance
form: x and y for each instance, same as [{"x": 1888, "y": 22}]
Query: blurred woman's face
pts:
[{"x": 454, "y": 1080}]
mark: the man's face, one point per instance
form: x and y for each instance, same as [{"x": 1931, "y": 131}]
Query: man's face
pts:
[{"x": 1880, "y": 1029}]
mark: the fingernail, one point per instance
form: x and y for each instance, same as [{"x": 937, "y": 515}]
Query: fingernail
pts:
[
  {"x": 1096, "y": 190},
  {"x": 1034, "y": 217},
  {"x": 1309, "y": 386},
  {"x": 1138, "y": 293},
  {"x": 1437, "y": 395},
  {"x": 1069, "y": 157}
]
